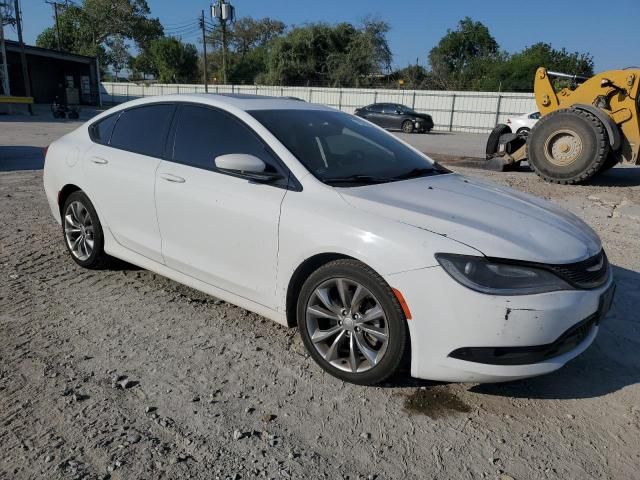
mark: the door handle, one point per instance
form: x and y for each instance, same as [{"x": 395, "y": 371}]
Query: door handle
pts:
[
  {"x": 169, "y": 177},
  {"x": 99, "y": 160}
]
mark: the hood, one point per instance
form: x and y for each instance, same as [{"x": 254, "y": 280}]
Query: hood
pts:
[
  {"x": 424, "y": 116},
  {"x": 497, "y": 221}
]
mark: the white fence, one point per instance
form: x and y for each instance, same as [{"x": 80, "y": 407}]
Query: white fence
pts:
[{"x": 452, "y": 111}]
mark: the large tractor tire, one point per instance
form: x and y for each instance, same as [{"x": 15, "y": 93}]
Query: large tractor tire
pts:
[
  {"x": 568, "y": 146},
  {"x": 611, "y": 161}
]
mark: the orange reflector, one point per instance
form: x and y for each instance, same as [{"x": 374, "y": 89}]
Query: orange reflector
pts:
[{"x": 403, "y": 303}]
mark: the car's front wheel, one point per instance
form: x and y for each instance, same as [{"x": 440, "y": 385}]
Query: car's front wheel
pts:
[
  {"x": 82, "y": 232},
  {"x": 352, "y": 323},
  {"x": 407, "y": 126}
]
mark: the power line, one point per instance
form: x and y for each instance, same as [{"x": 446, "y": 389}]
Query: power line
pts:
[
  {"x": 182, "y": 29},
  {"x": 185, "y": 34},
  {"x": 177, "y": 24}
]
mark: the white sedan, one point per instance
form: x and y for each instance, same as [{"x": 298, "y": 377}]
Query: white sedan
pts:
[
  {"x": 523, "y": 123},
  {"x": 317, "y": 218}
]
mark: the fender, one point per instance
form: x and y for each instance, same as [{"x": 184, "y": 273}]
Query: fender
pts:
[{"x": 615, "y": 139}]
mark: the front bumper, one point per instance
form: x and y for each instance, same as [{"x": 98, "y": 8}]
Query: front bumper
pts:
[
  {"x": 449, "y": 319},
  {"x": 423, "y": 124}
]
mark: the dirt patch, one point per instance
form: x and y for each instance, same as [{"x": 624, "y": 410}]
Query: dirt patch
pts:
[
  {"x": 435, "y": 402},
  {"x": 123, "y": 374}
]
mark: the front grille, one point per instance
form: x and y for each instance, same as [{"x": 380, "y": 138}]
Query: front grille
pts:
[{"x": 590, "y": 273}]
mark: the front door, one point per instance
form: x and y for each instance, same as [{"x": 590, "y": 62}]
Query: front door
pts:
[{"x": 218, "y": 228}]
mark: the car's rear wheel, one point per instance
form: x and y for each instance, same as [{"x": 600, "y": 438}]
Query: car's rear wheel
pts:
[
  {"x": 82, "y": 232},
  {"x": 407, "y": 126},
  {"x": 351, "y": 322}
]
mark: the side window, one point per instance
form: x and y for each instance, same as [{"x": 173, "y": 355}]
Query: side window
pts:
[
  {"x": 143, "y": 129},
  {"x": 202, "y": 134},
  {"x": 390, "y": 108},
  {"x": 100, "y": 131},
  {"x": 535, "y": 116},
  {"x": 376, "y": 108}
]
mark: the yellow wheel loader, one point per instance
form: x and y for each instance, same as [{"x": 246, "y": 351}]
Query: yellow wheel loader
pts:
[{"x": 583, "y": 130}]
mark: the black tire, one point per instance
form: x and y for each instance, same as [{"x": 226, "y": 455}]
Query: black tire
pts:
[
  {"x": 97, "y": 259},
  {"x": 611, "y": 161},
  {"x": 357, "y": 272},
  {"x": 524, "y": 131},
  {"x": 586, "y": 130},
  {"x": 407, "y": 126},
  {"x": 494, "y": 139}
]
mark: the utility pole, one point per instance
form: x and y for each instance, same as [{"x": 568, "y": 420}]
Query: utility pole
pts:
[
  {"x": 224, "y": 12},
  {"x": 223, "y": 25},
  {"x": 55, "y": 6},
  {"x": 55, "y": 14},
  {"x": 204, "y": 47},
  {"x": 23, "y": 55},
  {"x": 3, "y": 51}
]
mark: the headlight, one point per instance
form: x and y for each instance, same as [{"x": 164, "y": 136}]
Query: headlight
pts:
[{"x": 499, "y": 278}]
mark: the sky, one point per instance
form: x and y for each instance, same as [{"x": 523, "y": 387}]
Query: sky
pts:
[{"x": 606, "y": 29}]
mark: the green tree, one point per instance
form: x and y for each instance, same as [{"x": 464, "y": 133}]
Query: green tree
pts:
[
  {"x": 142, "y": 65},
  {"x": 176, "y": 62},
  {"x": 248, "y": 41},
  {"x": 415, "y": 77},
  {"x": 89, "y": 27},
  {"x": 469, "y": 58},
  {"x": 248, "y": 34},
  {"x": 117, "y": 54},
  {"x": 464, "y": 56},
  {"x": 517, "y": 73},
  {"x": 334, "y": 55}
]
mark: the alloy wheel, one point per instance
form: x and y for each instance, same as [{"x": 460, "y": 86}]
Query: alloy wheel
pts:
[
  {"x": 79, "y": 230},
  {"x": 347, "y": 325}
]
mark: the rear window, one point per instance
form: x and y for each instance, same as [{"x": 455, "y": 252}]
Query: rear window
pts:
[
  {"x": 143, "y": 130},
  {"x": 100, "y": 131}
]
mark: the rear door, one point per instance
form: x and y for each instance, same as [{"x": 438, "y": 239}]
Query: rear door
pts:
[
  {"x": 120, "y": 176},
  {"x": 392, "y": 118},
  {"x": 215, "y": 227},
  {"x": 375, "y": 115}
]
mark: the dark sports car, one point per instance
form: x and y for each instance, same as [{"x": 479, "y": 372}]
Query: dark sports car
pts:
[{"x": 394, "y": 116}]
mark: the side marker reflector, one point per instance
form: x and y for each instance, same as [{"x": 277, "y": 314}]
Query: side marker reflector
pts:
[{"x": 403, "y": 303}]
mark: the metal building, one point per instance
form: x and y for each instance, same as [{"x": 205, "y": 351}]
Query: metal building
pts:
[{"x": 52, "y": 72}]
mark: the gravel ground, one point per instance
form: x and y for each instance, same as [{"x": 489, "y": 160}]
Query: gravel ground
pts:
[{"x": 123, "y": 374}]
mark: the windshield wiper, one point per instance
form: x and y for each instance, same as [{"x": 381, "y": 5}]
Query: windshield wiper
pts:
[
  {"x": 416, "y": 172},
  {"x": 364, "y": 179}
]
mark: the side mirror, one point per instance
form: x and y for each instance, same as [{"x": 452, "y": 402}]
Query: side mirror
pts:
[{"x": 245, "y": 166}]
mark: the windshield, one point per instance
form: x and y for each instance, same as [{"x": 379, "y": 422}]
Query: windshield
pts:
[
  {"x": 344, "y": 150},
  {"x": 404, "y": 109}
]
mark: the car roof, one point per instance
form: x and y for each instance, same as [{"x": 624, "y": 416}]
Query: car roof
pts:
[
  {"x": 388, "y": 103},
  {"x": 240, "y": 101}
]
